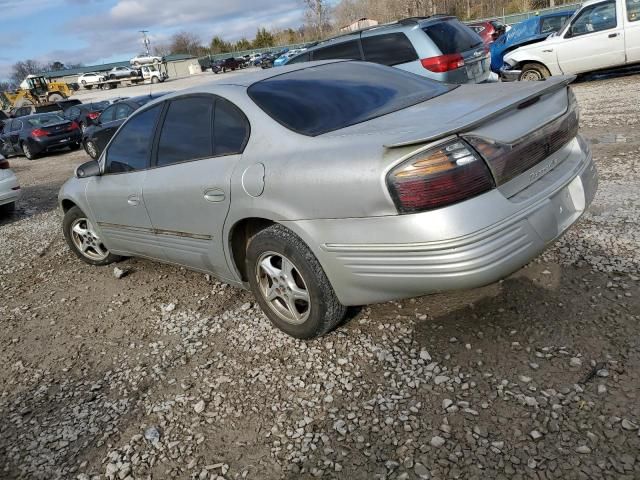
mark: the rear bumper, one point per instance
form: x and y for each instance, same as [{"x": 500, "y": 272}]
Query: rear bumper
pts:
[
  {"x": 372, "y": 260},
  {"x": 53, "y": 143}
]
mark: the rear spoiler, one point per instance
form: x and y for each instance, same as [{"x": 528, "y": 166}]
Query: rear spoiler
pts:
[{"x": 549, "y": 85}]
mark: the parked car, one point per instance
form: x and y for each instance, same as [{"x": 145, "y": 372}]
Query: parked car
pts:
[
  {"x": 231, "y": 64},
  {"x": 532, "y": 30},
  {"x": 284, "y": 59},
  {"x": 207, "y": 64},
  {"x": 267, "y": 60},
  {"x": 145, "y": 59},
  {"x": 359, "y": 201},
  {"x": 122, "y": 72},
  {"x": 9, "y": 187},
  {"x": 489, "y": 31},
  {"x": 34, "y": 135},
  {"x": 84, "y": 114},
  {"x": 89, "y": 79},
  {"x": 603, "y": 34},
  {"x": 97, "y": 135},
  {"x": 438, "y": 47}
]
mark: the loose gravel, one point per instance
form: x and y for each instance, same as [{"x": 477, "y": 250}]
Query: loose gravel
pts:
[{"x": 150, "y": 371}]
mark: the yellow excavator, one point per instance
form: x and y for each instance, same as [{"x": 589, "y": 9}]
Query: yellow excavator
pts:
[{"x": 35, "y": 92}]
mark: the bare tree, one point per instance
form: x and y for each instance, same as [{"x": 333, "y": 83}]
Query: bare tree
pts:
[{"x": 317, "y": 16}]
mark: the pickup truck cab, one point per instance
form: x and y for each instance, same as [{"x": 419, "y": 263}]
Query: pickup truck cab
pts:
[{"x": 602, "y": 34}]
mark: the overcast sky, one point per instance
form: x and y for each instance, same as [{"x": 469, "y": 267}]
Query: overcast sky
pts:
[{"x": 97, "y": 31}]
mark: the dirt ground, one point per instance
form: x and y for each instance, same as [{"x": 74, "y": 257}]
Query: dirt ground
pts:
[{"x": 168, "y": 374}]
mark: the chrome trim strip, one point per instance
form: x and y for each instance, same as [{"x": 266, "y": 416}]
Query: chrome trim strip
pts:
[{"x": 156, "y": 231}]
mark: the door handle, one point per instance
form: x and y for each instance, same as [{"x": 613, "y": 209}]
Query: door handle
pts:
[
  {"x": 613, "y": 35},
  {"x": 548, "y": 50},
  {"x": 214, "y": 195},
  {"x": 133, "y": 200}
]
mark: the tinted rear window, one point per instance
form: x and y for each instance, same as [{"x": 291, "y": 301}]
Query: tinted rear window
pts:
[
  {"x": 321, "y": 99},
  {"x": 451, "y": 36},
  {"x": 389, "y": 49},
  {"x": 345, "y": 51}
]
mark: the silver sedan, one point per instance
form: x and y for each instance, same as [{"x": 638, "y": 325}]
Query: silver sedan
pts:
[{"x": 329, "y": 184}]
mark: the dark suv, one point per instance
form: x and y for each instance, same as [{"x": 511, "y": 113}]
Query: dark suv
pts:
[
  {"x": 439, "y": 47},
  {"x": 231, "y": 64}
]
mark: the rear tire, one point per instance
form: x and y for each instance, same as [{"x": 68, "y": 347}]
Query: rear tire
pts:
[
  {"x": 56, "y": 97},
  {"x": 290, "y": 284},
  {"x": 534, "y": 72},
  {"x": 91, "y": 149},
  {"x": 79, "y": 233},
  {"x": 155, "y": 80},
  {"x": 26, "y": 149}
]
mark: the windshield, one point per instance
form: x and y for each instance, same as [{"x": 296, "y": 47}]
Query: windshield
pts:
[
  {"x": 324, "y": 98},
  {"x": 44, "y": 120}
]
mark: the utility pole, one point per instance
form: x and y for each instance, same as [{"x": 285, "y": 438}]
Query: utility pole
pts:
[{"x": 145, "y": 40}]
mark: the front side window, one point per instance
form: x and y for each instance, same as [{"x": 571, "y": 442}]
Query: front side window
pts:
[
  {"x": 389, "y": 49},
  {"x": 595, "y": 18},
  {"x": 324, "y": 98},
  {"x": 129, "y": 150},
  {"x": 344, "y": 51},
  {"x": 230, "y": 129},
  {"x": 305, "y": 57},
  {"x": 633, "y": 10},
  {"x": 187, "y": 131}
]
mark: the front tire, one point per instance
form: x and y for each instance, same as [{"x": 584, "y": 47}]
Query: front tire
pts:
[
  {"x": 8, "y": 208},
  {"x": 83, "y": 239},
  {"x": 534, "y": 72},
  {"x": 290, "y": 284}
]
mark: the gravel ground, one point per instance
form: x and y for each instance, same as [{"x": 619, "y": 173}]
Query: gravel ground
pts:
[{"x": 165, "y": 373}]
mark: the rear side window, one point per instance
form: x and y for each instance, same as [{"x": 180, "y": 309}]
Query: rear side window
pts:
[
  {"x": 345, "y": 51},
  {"x": 108, "y": 115},
  {"x": 451, "y": 36},
  {"x": 122, "y": 111},
  {"x": 389, "y": 49},
  {"x": 230, "y": 129},
  {"x": 186, "y": 132},
  {"x": 129, "y": 150},
  {"x": 329, "y": 97}
]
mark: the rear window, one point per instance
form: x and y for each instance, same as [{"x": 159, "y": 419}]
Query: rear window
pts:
[
  {"x": 42, "y": 120},
  {"x": 451, "y": 36},
  {"x": 345, "y": 51},
  {"x": 389, "y": 49},
  {"x": 325, "y": 98}
]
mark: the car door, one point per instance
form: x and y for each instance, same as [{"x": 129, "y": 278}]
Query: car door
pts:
[
  {"x": 632, "y": 30},
  {"x": 6, "y": 145},
  {"x": 13, "y": 136},
  {"x": 115, "y": 197},
  {"x": 593, "y": 41},
  {"x": 188, "y": 192}
]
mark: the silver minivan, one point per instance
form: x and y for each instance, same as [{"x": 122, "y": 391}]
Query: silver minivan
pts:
[{"x": 438, "y": 47}]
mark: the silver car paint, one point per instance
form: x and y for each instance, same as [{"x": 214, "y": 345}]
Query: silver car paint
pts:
[{"x": 331, "y": 191}]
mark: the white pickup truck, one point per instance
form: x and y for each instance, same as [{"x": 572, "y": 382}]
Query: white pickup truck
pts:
[{"x": 602, "y": 34}]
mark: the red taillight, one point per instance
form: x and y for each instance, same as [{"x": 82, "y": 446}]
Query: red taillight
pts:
[
  {"x": 74, "y": 126},
  {"x": 443, "y": 63},
  {"x": 438, "y": 177},
  {"x": 4, "y": 164},
  {"x": 38, "y": 132},
  {"x": 93, "y": 115}
]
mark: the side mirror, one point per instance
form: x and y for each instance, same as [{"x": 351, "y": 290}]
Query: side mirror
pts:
[{"x": 88, "y": 169}]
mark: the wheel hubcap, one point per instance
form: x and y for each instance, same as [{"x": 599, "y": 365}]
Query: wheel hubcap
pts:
[
  {"x": 531, "y": 76},
  {"x": 87, "y": 240},
  {"x": 284, "y": 289}
]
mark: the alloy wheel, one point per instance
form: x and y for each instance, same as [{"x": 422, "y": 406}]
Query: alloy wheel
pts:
[
  {"x": 91, "y": 149},
  {"x": 87, "y": 241},
  {"x": 283, "y": 288}
]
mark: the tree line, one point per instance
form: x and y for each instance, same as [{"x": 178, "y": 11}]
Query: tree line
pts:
[{"x": 321, "y": 19}]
